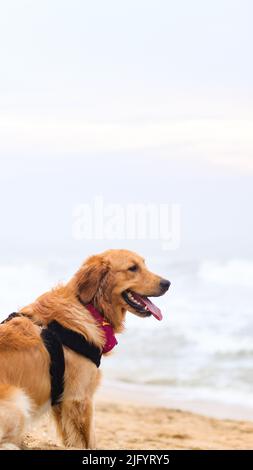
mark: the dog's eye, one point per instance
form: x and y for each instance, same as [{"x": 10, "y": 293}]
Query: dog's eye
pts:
[{"x": 133, "y": 268}]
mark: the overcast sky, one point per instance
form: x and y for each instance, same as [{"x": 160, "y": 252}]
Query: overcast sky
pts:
[{"x": 135, "y": 101}]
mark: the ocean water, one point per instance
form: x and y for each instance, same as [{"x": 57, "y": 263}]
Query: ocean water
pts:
[{"x": 202, "y": 350}]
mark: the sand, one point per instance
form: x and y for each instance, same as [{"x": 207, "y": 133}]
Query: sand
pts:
[{"x": 122, "y": 425}]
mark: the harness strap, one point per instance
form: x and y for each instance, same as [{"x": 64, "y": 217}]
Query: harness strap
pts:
[
  {"x": 76, "y": 342},
  {"x": 54, "y": 336},
  {"x": 57, "y": 364},
  {"x": 11, "y": 316}
]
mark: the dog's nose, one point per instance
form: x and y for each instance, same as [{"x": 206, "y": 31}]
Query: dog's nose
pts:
[{"x": 164, "y": 284}]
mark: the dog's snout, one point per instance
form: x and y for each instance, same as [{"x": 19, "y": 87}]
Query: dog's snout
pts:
[{"x": 164, "y": 284}]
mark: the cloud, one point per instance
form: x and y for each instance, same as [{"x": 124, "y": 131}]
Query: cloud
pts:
[{"x": 221, "y": 142}]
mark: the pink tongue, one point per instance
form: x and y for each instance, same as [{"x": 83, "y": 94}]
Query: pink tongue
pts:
[{"x": 151, "y": 307}]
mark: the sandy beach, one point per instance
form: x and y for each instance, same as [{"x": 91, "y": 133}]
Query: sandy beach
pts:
[{"x": 123, "y": 425}]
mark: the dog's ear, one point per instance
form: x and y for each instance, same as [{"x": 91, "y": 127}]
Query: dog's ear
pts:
[
  {"x": 103, "y": 296},
  {"x": 89, "y": 277}
]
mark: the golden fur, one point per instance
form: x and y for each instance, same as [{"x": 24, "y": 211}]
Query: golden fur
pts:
[{"x": 24, "y": 360}]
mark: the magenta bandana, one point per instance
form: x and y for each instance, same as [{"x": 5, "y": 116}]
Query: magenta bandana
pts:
[{"x": 106, "y": 327}]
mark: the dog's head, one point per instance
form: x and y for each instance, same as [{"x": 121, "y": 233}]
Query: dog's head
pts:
[{"x": 117, "y": 281}]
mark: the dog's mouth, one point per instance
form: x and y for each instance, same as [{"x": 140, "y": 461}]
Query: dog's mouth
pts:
[{"x": 141, "y": 304}]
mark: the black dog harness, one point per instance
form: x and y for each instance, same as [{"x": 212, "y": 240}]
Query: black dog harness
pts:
[{"x": 54, "y": 336}]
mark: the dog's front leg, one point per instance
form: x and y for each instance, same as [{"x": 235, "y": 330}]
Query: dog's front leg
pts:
[{"x": 76, "y": 424}]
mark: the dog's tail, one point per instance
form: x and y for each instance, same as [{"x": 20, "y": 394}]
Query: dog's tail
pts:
[{"x": 15, "y": 412}]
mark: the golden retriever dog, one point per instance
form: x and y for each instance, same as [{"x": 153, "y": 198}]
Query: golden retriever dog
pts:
[{"x": 113, "y": 282}]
